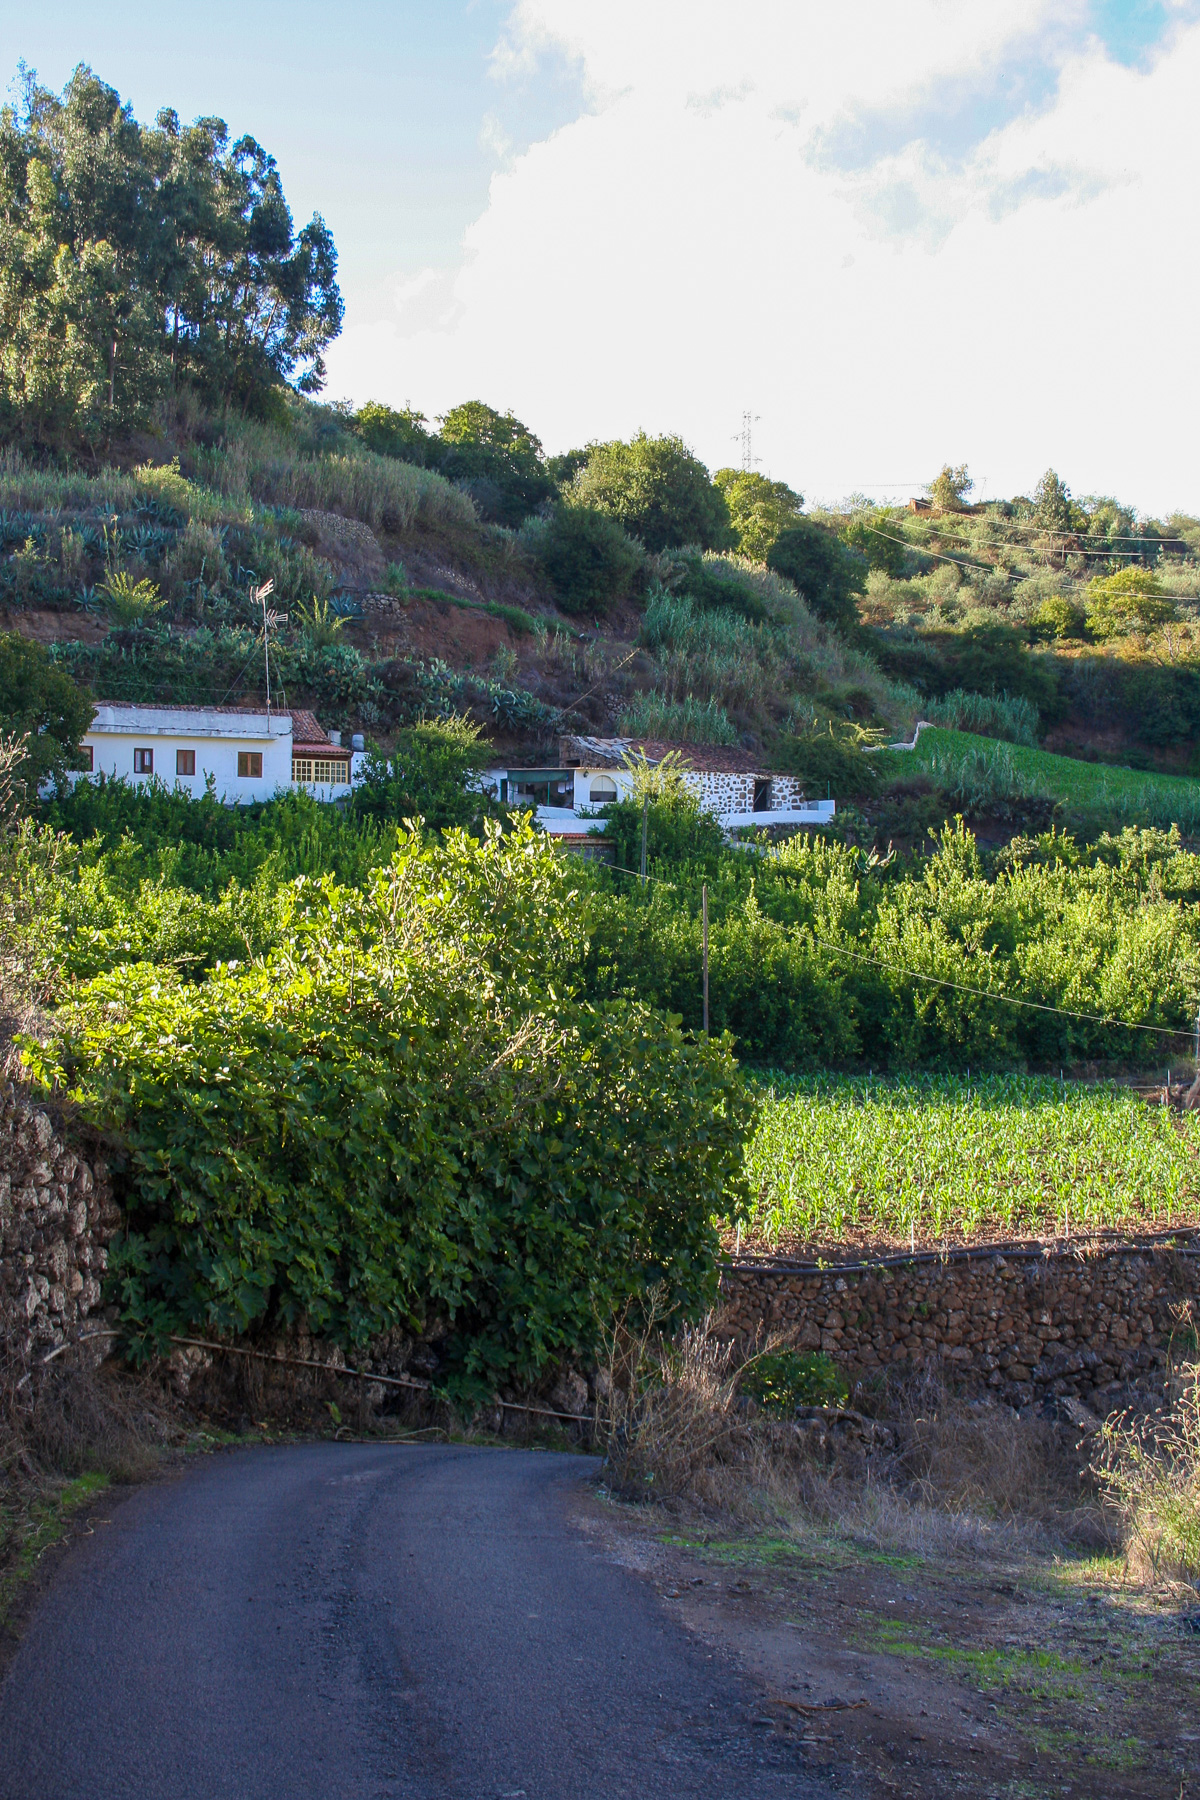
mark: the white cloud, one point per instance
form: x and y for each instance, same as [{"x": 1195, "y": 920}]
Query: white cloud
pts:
[{"x": 694, "y": 244}]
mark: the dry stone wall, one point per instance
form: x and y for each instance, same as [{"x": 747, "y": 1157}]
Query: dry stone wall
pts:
[
  {"x": 56, "y": 1218},
  {"x": 1025, "y": 1326}
]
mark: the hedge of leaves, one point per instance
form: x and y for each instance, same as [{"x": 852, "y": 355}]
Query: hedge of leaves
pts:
[{"x": 399, "y": 1118}]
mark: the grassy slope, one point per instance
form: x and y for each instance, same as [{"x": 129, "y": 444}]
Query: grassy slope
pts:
[{"x": 1065, "y": 777}]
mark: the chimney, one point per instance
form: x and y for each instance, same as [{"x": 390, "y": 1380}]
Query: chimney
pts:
[
  {"x": 358, "y": 741},
  {"x": 335, "y": 738}
]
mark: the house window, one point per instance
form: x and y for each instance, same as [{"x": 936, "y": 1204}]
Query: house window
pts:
[
  {"x": 143, "y": 762},
  {"x": 321, "y": 771},
  {"x": 185, "y": 762},
  {"x": 602, "y": 791},
  {"x": 87, "y": 759},
  {"x": 250, "y": 765}
]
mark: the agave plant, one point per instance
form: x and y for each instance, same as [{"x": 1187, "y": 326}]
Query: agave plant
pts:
[{"x": 130, "y": 602}]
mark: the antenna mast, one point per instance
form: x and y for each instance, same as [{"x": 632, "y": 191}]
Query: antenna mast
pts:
[{"x": 262, "y": 595}]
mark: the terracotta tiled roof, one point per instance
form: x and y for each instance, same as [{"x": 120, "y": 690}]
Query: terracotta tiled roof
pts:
[
  {"x": 307, "y": 730},
  {"x": 308, "y": 734},
  {"x": 609, "y": 753}
]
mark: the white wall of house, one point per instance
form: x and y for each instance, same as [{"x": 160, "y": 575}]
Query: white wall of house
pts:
[{"x": 209, "y": 742}]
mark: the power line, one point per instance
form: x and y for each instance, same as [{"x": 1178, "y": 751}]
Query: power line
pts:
[
  {"x": 1008, "y": 999},
  {"x": 990, "y": 568}
]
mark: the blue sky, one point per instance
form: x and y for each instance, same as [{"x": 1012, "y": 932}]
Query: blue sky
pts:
[
  {"x": 616, "y": 213},
  {"x": 375, "y": 111}
]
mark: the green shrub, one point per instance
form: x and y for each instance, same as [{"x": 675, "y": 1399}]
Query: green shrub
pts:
[
  {"x": 713, "y": 583},
  {"x": 759, "y": 509},
  {"x": 657, "y": 490},
  {"x": 588, "y": 558},
  {"x": 828, "y": 575},
  {"x": 40, "y": 703},
  {"x": 677, "y": 830},
  {"x": 831, "y": 760},
  {"x": 783, "y": 1380},
  {"x": 427, "y": 776},
  {"x": 398, "y": 1122},
  {"x": 1058, "y": 617}
]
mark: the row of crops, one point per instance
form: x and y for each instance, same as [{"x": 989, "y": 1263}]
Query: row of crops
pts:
[{"x": 951, "y": 1157}]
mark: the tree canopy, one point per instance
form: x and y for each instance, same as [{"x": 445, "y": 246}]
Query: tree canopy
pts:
[
  {"x": 42, "y": 704},
  {"x": 497, "y": 459},
  {"x": 759, "y": 509},
  {"x": 658, "y": 491},
  {"x": 827, "y": 574},
  {"x": 950, "y": 486},
  {"x": 133, "y": 257}
]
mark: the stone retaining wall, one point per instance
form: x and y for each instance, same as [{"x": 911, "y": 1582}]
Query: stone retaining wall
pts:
[
  {"x": 56, "y": 1217},
  {"x": 1084, "y": 1323}
]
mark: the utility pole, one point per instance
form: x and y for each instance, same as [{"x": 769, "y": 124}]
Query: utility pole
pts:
[
  {"x": 645, "y": 828},
  {"x": 704, "y": 937}
]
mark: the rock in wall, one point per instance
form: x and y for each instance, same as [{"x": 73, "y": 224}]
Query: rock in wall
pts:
[
  {"x": 56, "y": 1217},
  {"x": 1085, "y": 1323}
]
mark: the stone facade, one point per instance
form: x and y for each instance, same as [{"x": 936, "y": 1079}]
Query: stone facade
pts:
[
  {"x": 1023, "y": 1325},
  {"x": 56, "y": 1217}
]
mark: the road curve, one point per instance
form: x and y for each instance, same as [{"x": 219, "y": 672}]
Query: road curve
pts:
[{"x": 362, "y": 1622}]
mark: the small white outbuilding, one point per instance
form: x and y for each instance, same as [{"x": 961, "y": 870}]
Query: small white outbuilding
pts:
[{"x": 249, "y": 756}]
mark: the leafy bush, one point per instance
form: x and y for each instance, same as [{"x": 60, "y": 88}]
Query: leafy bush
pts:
[
  {"x": 40, "y": 703},
  {"x": 827, "y": 574},
  {"x": 677, "y": 830},
  {"x": 832, "y": 760},
  {"x": 713, "y": 583},
  {"x": 588, "y": 557},
  {"x": 759, "y": 509},
  {"x": 1131, "y": 600},
  {"x": 130, "y": 602},
  {"x": 397, "y": 1122},
  {"x": 657, "y": 490},
  {"x": 1058, "y": 617},
  {"x": 427, "y": 776},
  {"x": 496, "y": 459},
  {"x": 783, "y": 1380}
]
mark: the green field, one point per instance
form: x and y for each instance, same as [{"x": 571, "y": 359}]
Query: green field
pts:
[
  {"x": 984, "y": 767},
  {"x": 946, "y": 1157}
]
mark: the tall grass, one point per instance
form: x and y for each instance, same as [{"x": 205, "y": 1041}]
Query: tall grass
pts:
[
  {"x": 1008, "y": 716},
  {"x": 1151, "y": 1476},
  {"x": 385, "y": 494},
  {"x": 25, "y": 488},
  {"x": 687, "y": 721},
  {"x": 943, "y": 1156}
]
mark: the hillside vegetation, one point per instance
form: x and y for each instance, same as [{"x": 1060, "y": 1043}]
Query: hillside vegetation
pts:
[{"x": 398, "y": 1065}]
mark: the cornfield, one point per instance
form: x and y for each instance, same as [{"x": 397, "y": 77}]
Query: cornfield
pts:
[{"x": 951, "y": 1157}]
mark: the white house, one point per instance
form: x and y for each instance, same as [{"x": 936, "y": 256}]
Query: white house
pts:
[
  {"x": 593, "y": 772},
  {"x": 249, "y": 755}
]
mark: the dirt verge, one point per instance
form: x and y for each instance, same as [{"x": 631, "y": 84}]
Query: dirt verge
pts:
[{"x": 993, "y": 1669}]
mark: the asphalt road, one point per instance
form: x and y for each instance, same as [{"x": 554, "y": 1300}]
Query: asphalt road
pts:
[{"x": 361, "y": 1622}]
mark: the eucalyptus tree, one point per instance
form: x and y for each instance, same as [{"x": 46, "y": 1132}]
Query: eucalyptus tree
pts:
[{"x": 135, "y": 257}]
